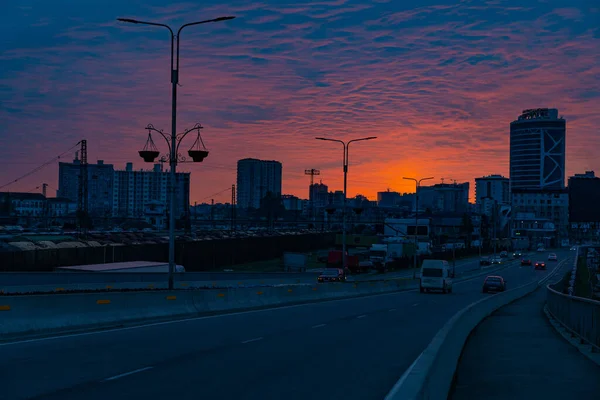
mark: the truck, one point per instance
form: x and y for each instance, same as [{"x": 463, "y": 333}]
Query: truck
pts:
[
  {"x": 355, "y": 263},
  {"x": 387, "y": 255}
]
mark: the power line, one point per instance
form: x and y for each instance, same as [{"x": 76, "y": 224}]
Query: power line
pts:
[
  {"x": 33, "y": 171},
  {"x": 216, "y": 194}
]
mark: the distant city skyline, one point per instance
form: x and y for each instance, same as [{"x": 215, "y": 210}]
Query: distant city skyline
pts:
[{"x": 265, "y": 84}]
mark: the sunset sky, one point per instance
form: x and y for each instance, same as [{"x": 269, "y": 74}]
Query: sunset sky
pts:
[{"x": 437, "y": 81}]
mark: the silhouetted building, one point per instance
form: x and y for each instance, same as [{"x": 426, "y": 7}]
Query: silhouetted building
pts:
[
  {"x": 388, "y": 198},
  {"x": 137, "y": 191},
  {"x": 255, "y": 178},
  {"x": 490, "y": 191},
  {"x": 100, "y": 185},
  {"x": 537, "y": 150},
  {"x": 584, "y": 198},
  {"x": 319, "y": 195},
  {"x": 445, "y": 197}
]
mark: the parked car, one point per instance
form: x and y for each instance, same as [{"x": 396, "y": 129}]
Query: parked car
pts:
[
  {"x": 525, "y": 262},
  {"x": 485, "y": 261},
  {"x": 540, "y": 265},
  {"x": 503, "y": 254},
  {"x": 332, "y": 275},
  {"x": 552, "y": 257},
  {"x": 494, "y": 283}
]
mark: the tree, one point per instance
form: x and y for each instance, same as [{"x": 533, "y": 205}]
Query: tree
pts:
[
  {"x": 271, "y": 208},
  {"x": 466, "y": 228}
]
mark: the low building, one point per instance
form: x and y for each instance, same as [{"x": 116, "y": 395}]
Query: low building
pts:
[{"x": 547, "y": 206}]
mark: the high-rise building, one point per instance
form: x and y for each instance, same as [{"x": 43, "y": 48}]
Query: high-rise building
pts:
[
  {"x": 134, "y": 190},
  {"x": 319, "y": 195},
  {"x": 255, "y": 178},
  {"x": 537, "y": 150},
  {"x": 491, "y": 191},
  {"x": 100, "y": 185}
]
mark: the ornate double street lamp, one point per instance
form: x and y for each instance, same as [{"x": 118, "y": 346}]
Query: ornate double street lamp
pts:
[{"x": 150, "y": 152}]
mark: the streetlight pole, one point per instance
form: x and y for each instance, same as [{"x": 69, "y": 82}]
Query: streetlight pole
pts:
[
  {"x": 417, "y": 185},
  {"x": 173, "y": 139},
  {"x": 345, "y": 161}
]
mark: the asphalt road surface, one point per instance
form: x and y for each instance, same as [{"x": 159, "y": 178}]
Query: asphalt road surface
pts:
[
  {"x": 351, "y": 349},
  {"x": 516, "y": 354}
]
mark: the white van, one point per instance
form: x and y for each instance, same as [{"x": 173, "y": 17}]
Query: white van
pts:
[{"x": 436, "y": 275}]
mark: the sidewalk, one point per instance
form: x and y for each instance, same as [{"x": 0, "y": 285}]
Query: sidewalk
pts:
[{"x": 516, "y": 354}]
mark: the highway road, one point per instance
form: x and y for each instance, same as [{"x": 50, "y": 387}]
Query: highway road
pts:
[
  {"x": 351, "y": 349},
  {"x": 517, "y": 354},
  {"x": 47, "y": 282}
]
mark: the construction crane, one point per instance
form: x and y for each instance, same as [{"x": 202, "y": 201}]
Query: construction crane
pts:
[{"x": 312, "y": 172}]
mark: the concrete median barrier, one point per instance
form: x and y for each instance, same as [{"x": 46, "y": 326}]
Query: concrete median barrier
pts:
[
  {"x": 432, "y": 373},
  {"x": 39, "y": 314},
  {"x": 22, "y": 316}
]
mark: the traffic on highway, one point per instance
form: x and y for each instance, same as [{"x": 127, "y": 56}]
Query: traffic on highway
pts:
[{"x": 364, "y": 343}]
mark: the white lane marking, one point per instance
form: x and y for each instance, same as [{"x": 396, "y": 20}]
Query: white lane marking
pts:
[
  {"x": 361, "y": 316},
  {"x": 319, "y": 326},
  {"x": 252, "y": 340},
  {"x": 178, "y": 321},
  {"x": 392, "y": 309},
  {"x": 112, "y": 378}
]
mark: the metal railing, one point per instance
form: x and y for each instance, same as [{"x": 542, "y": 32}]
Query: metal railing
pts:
[{"x": 580, "y": 316}]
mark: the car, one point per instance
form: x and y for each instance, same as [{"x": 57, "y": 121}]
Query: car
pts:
[
  {"x": 541, "y": 249},
  {"x": 525, "y": 261},
  {"x": 573, "y": 248},
  {"x": 552, "y": 257},
  {"x": 496, "y": 260},
  {"x": 485, "y": 261},
  {"x": 332, "y": 275},
  {"x": 517, "y": 254},
  {"x": 494, "y": 283},
  {"x": 540, "y": 265},
  {"x": 503, "y": 254}
]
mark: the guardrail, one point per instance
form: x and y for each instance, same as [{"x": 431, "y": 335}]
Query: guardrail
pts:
[
  {"x": 432, "y": 373},
  {"x": 571, "y": 288},
  {"x": 580, "y": 316}
]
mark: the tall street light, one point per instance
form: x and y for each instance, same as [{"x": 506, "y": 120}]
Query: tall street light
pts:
[
  {"x": 418, "y": 185},
  {"x": 175, "y": 39},
  {"x": 345, "y": 160}
]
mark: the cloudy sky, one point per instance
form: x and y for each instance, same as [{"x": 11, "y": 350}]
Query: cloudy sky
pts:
[{"x": 437, "y": 82}]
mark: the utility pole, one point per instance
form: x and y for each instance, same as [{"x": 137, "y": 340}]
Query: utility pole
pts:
[
  {"x": 418, "y": 185},
  {"x": 212, "y": 213},
  {"x": 312, "y": 172},
  {"x": 233, "y": 208},
  {"x": 82, "y": 197}
]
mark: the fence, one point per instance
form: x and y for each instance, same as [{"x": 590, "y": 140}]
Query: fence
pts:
[{"x": 580, "y": 316}]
